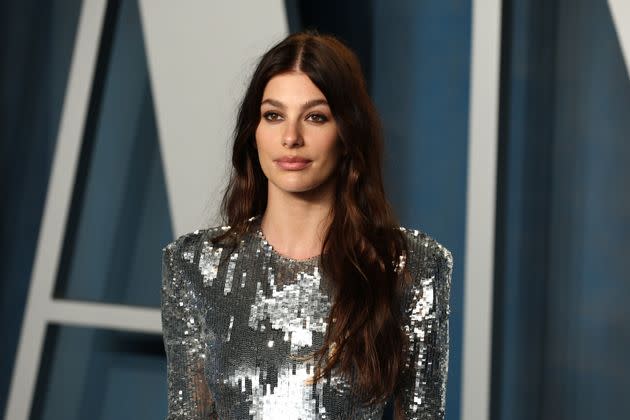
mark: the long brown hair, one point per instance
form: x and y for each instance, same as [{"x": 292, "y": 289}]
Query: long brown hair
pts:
[{"x": 364, "y": 339}]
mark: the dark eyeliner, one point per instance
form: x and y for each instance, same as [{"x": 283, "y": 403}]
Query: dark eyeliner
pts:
[
  {"x": 268, "y": 113},
  {"x": 321, "y": 118}
]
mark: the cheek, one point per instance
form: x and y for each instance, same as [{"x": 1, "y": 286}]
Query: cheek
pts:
[
  {"x": 259, "y": 145},
  {"x": 266, "y": 132},
  {"x": 333, "y": 145},
  {"x": 258, "y": 135},
  {"x": 262, "y": 138}
]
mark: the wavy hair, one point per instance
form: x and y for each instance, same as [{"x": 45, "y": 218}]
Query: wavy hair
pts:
[{"x": 364, "y": 339}]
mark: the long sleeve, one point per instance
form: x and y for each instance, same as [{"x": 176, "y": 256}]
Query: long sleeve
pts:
[
  {"x": 188, "y": 394},
  {"x": 422, "y": 390}
]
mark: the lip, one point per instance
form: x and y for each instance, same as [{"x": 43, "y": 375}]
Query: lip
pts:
[{"x": 292, "y": 163}]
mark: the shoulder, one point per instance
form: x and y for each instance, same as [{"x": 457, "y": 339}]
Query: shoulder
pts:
[
  {"x": 187, "y": 246},
  {"x": 181, "y": 257},
  {"x": 430, "y": 265},
  {"x": 426, "y": 254}
]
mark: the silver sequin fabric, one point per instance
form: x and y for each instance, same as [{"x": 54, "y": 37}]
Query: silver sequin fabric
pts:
[{"x": 233, "y": 324}]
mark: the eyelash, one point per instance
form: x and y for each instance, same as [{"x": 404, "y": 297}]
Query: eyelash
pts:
[{"x": 321, "y": 118}]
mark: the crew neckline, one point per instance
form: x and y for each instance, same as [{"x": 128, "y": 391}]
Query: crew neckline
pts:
[{"x": 276, "y": 254}]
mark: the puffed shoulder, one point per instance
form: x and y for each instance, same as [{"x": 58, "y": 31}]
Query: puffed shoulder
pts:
[
  {"x": 430, "y": 265},
  {"x": 181, "y": 255},
  {"x": 426, "y": 251},
  {"x": 192, "y": 241}
]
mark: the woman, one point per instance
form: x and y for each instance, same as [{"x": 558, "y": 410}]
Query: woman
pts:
[{"x": 311, "y": 302}]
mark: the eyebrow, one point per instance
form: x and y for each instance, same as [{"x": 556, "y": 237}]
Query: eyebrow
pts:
[{"x": 308, "y": 104}]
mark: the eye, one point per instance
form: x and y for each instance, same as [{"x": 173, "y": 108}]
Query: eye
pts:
[
  {"x": 318, "y": 118},
  {"x": 271, "y": 116}
]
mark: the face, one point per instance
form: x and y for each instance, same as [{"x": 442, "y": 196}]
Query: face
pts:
[{"x": 296, "y": 138}]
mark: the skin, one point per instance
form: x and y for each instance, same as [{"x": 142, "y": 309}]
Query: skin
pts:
[{"x": 296, "y": 120}]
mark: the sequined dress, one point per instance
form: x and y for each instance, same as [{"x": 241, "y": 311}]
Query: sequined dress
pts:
[{"x": 232, "y": 322}]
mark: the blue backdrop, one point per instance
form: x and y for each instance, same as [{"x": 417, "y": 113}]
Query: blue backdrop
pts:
[{"x": 562, "y": 245}]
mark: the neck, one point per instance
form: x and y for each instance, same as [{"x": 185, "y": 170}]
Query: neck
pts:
[{"x": 295, "y": 224}]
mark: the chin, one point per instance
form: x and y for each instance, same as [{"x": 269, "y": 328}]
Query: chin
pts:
[{"x": 297, "y": 187}]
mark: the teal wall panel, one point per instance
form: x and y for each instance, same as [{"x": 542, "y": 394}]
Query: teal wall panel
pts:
[
  {"x": 563, "y": 249},
  {"x": 119, "y": 217},
  {"x": 421, "y": 67},
  {"x": 100, "y": 374},
  {"x": 36, "y": 43}
]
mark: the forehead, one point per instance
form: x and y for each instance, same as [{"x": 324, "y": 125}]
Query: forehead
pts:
[{"x": 293, "y": 87}]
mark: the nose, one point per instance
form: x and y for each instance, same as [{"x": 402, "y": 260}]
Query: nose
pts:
[{"x": 292, "y": 136}]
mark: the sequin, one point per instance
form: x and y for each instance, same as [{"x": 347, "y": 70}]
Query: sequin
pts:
[
  {"x": 296, "y": 309},
  {"x": 230, "y": 273},
  {"x": 231, "y": 347},
  {"x": 209, "y": 263},
  {"x": 230, "y": 328},
  {"x": 189, "y": 256}
]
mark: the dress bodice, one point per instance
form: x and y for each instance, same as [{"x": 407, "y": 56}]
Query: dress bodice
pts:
[{"x": 239, "y": 325}]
